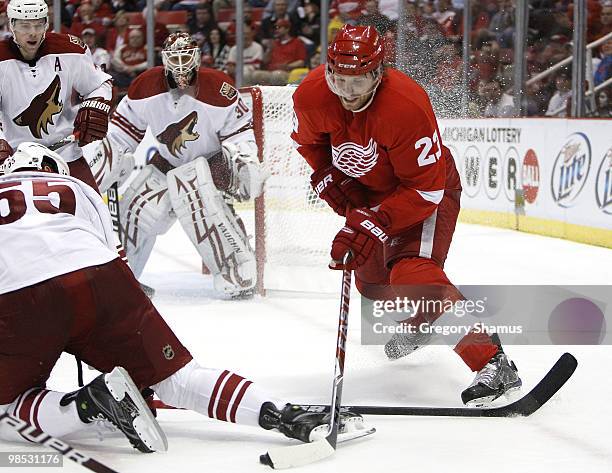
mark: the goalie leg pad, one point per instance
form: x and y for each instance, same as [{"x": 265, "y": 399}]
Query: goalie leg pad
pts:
[
  {"x": 108, "y": 163},
  {"x": 146, "y": 212},
  {"x": 213, "y": 227}
]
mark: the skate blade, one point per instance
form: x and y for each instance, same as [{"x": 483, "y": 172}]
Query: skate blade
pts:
[
  {"x": 120, "y": 384},
  {"x": 351, "y": 429},
  {"x": 489, "y": 401}
]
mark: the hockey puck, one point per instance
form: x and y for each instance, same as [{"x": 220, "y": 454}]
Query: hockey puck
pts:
[{"x": 266, "y": 460}]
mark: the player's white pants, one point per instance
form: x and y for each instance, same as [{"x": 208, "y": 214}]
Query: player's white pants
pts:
[{"x": 219, "y": 394}]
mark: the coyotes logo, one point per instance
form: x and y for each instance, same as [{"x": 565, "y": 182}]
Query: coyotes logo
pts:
[
  {"x": 176, "y": 135},
  {"x": 39, "y": 114}
]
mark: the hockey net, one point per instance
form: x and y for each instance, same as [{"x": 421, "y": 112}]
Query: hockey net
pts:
[{"x": 293, "y": 227}]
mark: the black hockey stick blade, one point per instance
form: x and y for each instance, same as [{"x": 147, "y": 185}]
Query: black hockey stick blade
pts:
[{"x": 523, "y": 407}]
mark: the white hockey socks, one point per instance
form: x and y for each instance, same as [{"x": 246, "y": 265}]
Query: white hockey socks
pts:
[
  {"x": 41, "y": 408},
  {"x": 219, "y": 394}
]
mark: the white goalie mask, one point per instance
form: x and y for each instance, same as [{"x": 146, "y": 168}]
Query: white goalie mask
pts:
[
  {"x": 181, "y": 59},
  {"x": 34, "y": 156}
]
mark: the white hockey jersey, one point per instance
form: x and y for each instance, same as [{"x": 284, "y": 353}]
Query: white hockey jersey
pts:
[
  {"x": 186, "y": 127},
  {"x": 50, "y": 225},
  {"x": 39, "y": 98}
]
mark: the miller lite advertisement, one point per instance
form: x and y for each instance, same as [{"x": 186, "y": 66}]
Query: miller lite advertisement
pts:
[{"x": 554, "y": 172}]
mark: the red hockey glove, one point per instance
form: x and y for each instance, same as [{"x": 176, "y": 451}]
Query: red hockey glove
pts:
[
  {"x": 338, "y": 189},
  {"x": 363, "y": 230},
  {"x": 5, "y": 150},
  {"x": 91, "y": 123}
]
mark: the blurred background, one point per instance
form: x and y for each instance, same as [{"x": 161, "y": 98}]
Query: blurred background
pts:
[{"x": 520, "y": 57}]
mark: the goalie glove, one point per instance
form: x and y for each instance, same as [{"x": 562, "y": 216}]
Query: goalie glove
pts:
[
  {"x": 362, "y": 232},
  {"x": 91, "y": 122},
  {"x": 338, "y": 189}
]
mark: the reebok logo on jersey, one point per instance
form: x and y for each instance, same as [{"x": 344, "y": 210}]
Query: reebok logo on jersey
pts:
[
  {"x": 355, "y": 160},
  {"x": 176, "y": 135},
  {"x": 39, "y": 114}
]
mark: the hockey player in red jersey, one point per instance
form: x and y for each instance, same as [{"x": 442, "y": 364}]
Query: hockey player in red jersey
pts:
[
  {"x": 76, "y": 295},
  {"x": 372, "y": 139},
  {"x": 43, "y": 73},
  {"x": 206, "y": 158}
]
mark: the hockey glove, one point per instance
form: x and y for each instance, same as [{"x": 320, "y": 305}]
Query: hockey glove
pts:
[
  {"x": 338, "y": 189},
  {"x": 5, "y": 152},
  {"x": 362, "y": 232},
  {"x": 91, "y": 122}
]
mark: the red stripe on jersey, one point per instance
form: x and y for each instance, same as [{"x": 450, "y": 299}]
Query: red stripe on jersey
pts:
[
  {"x": 213, "y": 396},
  {"x": 226, "y": 395},
  {"x": 128, "y": 123},
  {"x": 237, "y": 401},
  {"x": 37, "y": 404},
  {"x": 126, "y": 130}
]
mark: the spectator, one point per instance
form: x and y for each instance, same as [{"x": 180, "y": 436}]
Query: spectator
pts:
[
  {"x": 270, "y": 8},
  {"x": 557, "y": 106},
  {"x": 116, "y": 36},
  {"x": 65, "y": 19},
  {"x": 252, "y": 55},
  {"x": 502, "y": 24},
  {"x": 603, "y": 103},
  {"x": 494, "y": 102},
  {"x": 216, "y": 47},
  {"x": 373, "y": 17},
  {"x": 287, "y": 53},
  {"x": 102, "y": 12},
  {"x": 604, "y": 69},
  {"x": 202, "y": 21},
  {"x": 605, "y": 20},
  {"x": 84, "y": 18},
  {"x": 445, "y": 16},
  {"x": 280, "y": 12},
  {"x": 101, "y": 57},
  {"x": 311, "y": 24},
  {"x": 347, "y": 10},
  {"x": 130, "y": 59},
  {"x": 389, "y": 8},
  {"x": 128, "y": 5},
  {"x": 5, "y": 32},
  {"x": 219, "y": 4}
]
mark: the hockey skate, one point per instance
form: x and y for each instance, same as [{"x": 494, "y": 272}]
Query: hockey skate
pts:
[
  {"x": 499, "y": 376},
  {"x": 403, "y": 344},
  {"x": 114, "y": 398},
  {"x": 307, "y": 426}
]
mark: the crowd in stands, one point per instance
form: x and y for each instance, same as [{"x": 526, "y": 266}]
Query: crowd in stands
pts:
[{"x": 281, "y": 41}]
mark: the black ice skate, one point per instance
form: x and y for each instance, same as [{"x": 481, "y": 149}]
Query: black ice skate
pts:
[
  {"x": 499, "y": 376},
  {"x": 403, "y": 344},
  {"x": 113, "y": 397},
  {"x": 297, "y": 423}
]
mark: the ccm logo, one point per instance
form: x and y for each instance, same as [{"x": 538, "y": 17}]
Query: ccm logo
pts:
[
  {"x": 323, "y": 184},
  {"x": 374, "y": 230}
]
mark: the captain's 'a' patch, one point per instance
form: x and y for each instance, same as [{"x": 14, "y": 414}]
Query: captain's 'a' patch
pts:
[{"x": 228, "y": 91}]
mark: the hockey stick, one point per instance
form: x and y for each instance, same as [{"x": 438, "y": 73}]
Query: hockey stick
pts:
[
  {"x": 556, "y": 377},
  {"x": 548, "y": 386},
  {"x": 298, "y": 455},
  {"x": 35, "y": 435},
  {"x": 63, "y": 142}
]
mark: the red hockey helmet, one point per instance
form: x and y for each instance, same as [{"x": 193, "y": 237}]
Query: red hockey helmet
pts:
[{"x": 356, "y": 50}]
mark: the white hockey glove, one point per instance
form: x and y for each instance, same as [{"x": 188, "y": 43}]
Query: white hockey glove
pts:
[
  {"x": 247, "y": 175},
  {"x": 109, "y": 163}
]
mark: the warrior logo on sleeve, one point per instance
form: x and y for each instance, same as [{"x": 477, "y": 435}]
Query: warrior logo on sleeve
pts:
[
  {"x": 39, "y": 114},
  {"x": 176, "y": 135}
]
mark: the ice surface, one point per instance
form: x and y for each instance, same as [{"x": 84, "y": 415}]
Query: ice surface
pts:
[{"x": 286, "y": 344}]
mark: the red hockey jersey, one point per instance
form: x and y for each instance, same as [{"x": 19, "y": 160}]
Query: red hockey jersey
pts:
[{"x": 393, "y": 147}]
